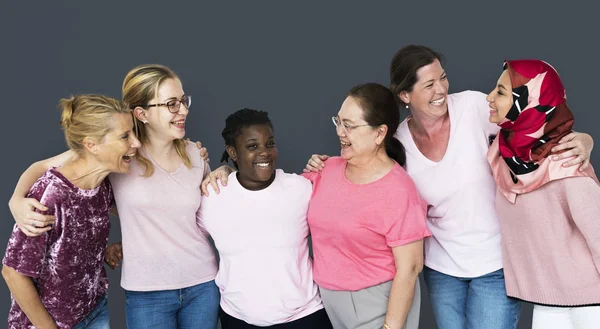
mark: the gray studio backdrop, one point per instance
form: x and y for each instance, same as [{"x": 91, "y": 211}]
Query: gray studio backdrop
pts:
[{"x": 295, "y": 60}]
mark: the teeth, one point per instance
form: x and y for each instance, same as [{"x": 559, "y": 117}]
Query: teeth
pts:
[
  {"x": 178, "y": 122},
  {"x": 438, "y": 101},
  {"x": 263, "y": 164},
  {"x": 345, "y": 143}
]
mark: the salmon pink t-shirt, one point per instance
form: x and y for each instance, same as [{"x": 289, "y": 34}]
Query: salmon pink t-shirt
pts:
[{"x": 355, "y": 226}]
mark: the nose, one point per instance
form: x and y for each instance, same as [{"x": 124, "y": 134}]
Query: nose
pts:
[
  {"x": 340, "y": 131},
  {"x": 489, "y": 98},
  {"x": 184, "y": 110},
  {"x": 135, "y": 142},
  {"x": 441, "y": 88}
]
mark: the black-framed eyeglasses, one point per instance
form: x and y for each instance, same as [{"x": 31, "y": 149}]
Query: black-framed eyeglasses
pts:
[
  {"x": 337, "y": 122},
  {"x": 175, "y": 104}
]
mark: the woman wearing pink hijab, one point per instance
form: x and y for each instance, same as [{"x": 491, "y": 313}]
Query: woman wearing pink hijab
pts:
[{"x": 549, "y": 214}]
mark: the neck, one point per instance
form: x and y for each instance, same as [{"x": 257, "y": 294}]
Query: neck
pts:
[
  {"x": 159, "y": 148},
  {"x": 84, "y": 173},
  {"x": 425, "y": 125},
  {"x": 255, "y": 185},
  {"x": 372, "y": 165}
]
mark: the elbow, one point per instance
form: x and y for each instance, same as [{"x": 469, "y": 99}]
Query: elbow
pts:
[
  {"x": 411, "y": 269},
  {"x": 7, "y": 273}
]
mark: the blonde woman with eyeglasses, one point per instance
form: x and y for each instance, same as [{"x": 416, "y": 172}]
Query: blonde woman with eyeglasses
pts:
[{"x": 168, "y": 263}]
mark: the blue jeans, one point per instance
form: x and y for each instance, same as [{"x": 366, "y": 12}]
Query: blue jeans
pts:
[
  {"x": 471, "y": 303},
  {"x": 195, "y": 307},
  {"x": 98, "y": 318}
]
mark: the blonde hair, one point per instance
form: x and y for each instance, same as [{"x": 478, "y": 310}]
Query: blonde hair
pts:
[
  {"x": 139, "y": 87},
  {"x": 88, "y": 116}
]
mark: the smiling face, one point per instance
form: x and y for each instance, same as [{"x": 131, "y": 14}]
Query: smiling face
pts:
[
  {"x": 255, "y": 154},
  {"x": 429, "y": 94},
  {"x": 160, "y": 122},
  {"x": 119, "y": 145},
  {"x": 500, "y": 99},
  {"x": 358, "y": 139}
]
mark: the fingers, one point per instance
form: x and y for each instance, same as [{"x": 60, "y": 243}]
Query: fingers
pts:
[
  {"x": 199, "y": 145},
  {"x": 204, "y": 186},
  {"x": 33, "y": 203},
  {"x": 214, "y": 182},
  {"x": 584, "y": 165},
  {"x": 567, "y": 138},
  {"x": 39, "y": 220},
  {"x": 33, "y": 231},
  {"x": 567, "y": 154},
  {"x": 577, "y": 160},
  {"x": 323, "y": 157},
  {"x": 566, "y": 146}
]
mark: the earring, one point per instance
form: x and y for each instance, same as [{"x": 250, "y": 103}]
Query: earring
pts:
[
  {"x": 406, "y": 106},
  {"x": 145, "y": 122}
]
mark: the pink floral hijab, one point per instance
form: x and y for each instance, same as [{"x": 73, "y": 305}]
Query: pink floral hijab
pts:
[{"x": 537, "y": 120}]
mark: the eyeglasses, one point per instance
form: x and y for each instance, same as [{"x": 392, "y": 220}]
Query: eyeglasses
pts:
[
  {"x": 347, "y": 127},
  {"x": 175, "y": 104}
]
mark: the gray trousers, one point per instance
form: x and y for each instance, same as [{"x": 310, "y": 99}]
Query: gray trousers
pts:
[{"x": 366, "y": 308}]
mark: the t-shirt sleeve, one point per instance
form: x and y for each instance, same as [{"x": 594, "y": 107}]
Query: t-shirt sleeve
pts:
[
  {"x": 24, "y": 254},
  {"x": 408, "y": 222}
]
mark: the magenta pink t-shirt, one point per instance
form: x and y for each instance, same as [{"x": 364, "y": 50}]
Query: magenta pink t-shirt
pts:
[{"x": 355, "y": 226}]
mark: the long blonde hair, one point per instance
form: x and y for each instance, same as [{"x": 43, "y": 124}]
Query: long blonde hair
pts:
[
  {"x": 88, "y": 116},
  {"x": 139, "y": 87}
]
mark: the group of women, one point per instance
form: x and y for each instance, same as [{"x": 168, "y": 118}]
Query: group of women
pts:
[{"x": 492, "y": 198}]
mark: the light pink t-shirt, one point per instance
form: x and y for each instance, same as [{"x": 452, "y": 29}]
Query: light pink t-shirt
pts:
[
  {"x": 265, "y": 272},
  {"x": 163, "y": 247},
  {"x": 354, "y": 227}
]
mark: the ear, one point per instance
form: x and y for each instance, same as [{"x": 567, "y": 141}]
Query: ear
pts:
[
  {"x": 381, "y": 133},
  {"x": 91, "y": 145},
  {"x": 231, "y": 151},
  {"x": 140, "y": 114},
  {"x": 404, "y": 97}
]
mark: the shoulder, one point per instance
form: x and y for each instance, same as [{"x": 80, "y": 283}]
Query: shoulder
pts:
[
  {"x": 470, "y": 96},
  {"x": 287, "y": 180},
  {"x": 334, "y": 163},
  {"x": 193, "y": 152},
  {"x": 49, "y": 189},
  {"x": 400, "y": 181}
]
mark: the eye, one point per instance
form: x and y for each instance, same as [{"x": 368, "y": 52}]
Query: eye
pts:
[
  {"x": 126, "y": 136},
  {"x": 499, "y": 92},
  {"x": 428, "y": 86},
  {"x": 347, "y": 126},
  {"x": 172, "y": 103},
  {"x": 444, "y": 77},
  {"x": 271, "y": 144},
  {"x": 251, "y": 146}
]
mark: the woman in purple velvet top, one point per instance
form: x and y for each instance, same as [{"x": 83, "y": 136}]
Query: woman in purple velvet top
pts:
[{"x": 57, "y": 279}]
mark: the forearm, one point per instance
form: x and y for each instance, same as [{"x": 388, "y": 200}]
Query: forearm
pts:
[
  {"x": 28, "y": 299},
  {"x": 401, "y": 298},
  {"x": 28, "y": 178}
]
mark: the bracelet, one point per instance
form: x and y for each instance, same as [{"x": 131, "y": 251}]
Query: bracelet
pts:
[{"x": 386, "y": 326}]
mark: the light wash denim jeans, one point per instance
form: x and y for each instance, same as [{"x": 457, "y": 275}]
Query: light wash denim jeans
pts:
[
  {"x": 471, "y": 303},
  {"x": 98, "y": 318},
  {"x": 195, "y": 307}
]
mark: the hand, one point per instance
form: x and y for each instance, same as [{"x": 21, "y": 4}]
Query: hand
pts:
[
  {"x": 114, "y": 255},
  {"x": 221, "y": 173},
  {"x": 203, "y": 150},
  {"x": 316, "y": 163},
  {"x": 30, "y": 222},
  {"x": 577, "y": 145}
]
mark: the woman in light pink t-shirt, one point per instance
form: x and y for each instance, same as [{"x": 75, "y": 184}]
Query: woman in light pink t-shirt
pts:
[
  {"x": 169, "y": 265},
  {"x": 367, "y": 219}
]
